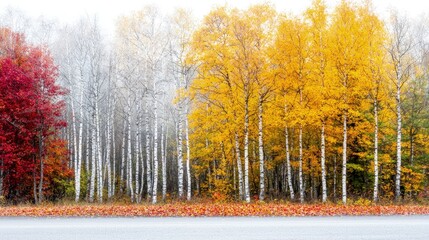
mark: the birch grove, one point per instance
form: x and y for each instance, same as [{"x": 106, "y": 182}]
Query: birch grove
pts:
[{"x": 244, "y": 104}]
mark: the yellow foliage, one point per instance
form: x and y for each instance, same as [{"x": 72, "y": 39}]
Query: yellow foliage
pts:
[{"x": 305, "y": 71}]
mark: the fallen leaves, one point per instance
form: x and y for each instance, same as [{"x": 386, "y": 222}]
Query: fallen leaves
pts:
[{"x": 211, "y": 209}]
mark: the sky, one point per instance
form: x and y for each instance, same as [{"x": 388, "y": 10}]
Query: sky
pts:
[{"x": 107, "y": 11}]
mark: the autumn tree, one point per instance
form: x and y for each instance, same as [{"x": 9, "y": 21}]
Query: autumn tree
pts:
[
  {"x": 399, "y": 49},
  {"x": 31, "y": 111},
  {"x": 349, "y": 48},
  {"x": 184, "y": 69}
]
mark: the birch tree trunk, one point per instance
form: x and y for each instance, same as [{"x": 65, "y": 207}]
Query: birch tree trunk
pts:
[
  {"x": 239, "y": 167},
  {"x": 289, "y": 169},
  {"x": 401, "y": 48},
  {"x": 80, "y": 148},
  {"x": 288, "y": 166},
  {"x": 164, "y": 162},
  {"x": 76, "y": 157},
  {"x": 322, "y": 162},
  {"x": 72, "y": 145},
  {"x": 398, "y": 141},
  {"x": 375, "y": 198},
  {"x": 155, "y": 150},
  {"x": 246, "y": 151},
  {"x": 129, "y": 160},
  {"x": 136, "y": 158},
  {"x": 141, "y": 156},
  {"x": 93, "y": 159},
  {"x": 148, "y": 159},
  {"x": 122, "y": 175},
  {"x": 87, "y": 157},
  {"x": 188, "y": 160},
  {"x": 99, "y": 156},
  {"x": 180, "y": 152},
  {"x": 261, "y": 152},
  {"x": 113, "y": 192},
  {"x": 108, "y": 142},
  {"x": 344, "y": 167},
  {"x": 301, "y": 184}
]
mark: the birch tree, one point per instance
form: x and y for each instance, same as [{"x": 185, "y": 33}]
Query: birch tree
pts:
[
  {"x": 347, "y": 52},
  {"x": 376, "y": 71},
  {"x": 182, "y": 28},
  {"x": 293, "y": 43},
  {"x": 317, "y": 17},
  {"x": 399, "y": 50}
]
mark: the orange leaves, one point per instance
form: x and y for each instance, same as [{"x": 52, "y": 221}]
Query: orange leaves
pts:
[
  {"x": 57, "y": 174},
  {"x": 210, "y": 209}
]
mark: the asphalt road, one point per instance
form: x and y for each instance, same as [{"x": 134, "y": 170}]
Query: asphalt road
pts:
[{"x": 225, "y": 228}]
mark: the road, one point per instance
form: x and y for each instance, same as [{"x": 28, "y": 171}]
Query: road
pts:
[{"x": 225, "y": 228}]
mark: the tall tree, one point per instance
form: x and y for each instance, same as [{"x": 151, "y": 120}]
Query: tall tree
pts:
[
  {"x": 184, "y": 71},
  {"x": 349, "y": 46},
  {"x": 30, "y": 109},
  {"x": 293, "y": 42},
  {"x": 399, "y": 48},
  {"x": 317, "y": 16}
]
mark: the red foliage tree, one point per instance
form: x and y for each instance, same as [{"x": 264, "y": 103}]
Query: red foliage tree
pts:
[{"x": 30, "y": 111}]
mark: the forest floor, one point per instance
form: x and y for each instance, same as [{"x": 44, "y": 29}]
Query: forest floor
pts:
[{"x": 182, "y": 209}]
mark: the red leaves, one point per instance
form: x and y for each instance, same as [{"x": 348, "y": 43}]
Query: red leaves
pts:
[
  {"x": 209, "y": 209},
  {"x": 29, "y": 112}
]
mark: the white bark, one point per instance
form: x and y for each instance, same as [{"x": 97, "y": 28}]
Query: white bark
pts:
[
  {"x": 188, "y": 160},
  {"x": 108, "y": 143},
  {"x": 77, "y": 145},
  {"x": 93, "y": 160},
  {"x": 148, "y": 159},
  {"x": 113, "y": 189},
  {"x": 239, "y": 167},
  {"x": 137, "y": 160},
  {"x": 344, "y": 167},
  {"x": 76, "y": 154},
  {"x": 164, "y": 162},
  {"x": 403, "y": 44},
  {"x": 122, "y": 175},
  {"x": 261, "y": 152},
  {"x": 141, "y": 157},
  {"x": 375, "y": 198},
  {"x": 180, "y": 153},
  {"x": 322, "y": 162},
  {"x": 246, "y": 152},
  {"x": 155, "y": 151},
  {"x": 99, "y": 156},
  {"x": 74, "y": 139},
  {"x": 289, "y": 169},
  {"x": 87, "y": 156},
  {"x": 80, "y": 146},
  {"x": 129, "y": 160},
  {"x": 398, "y": 142}
]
